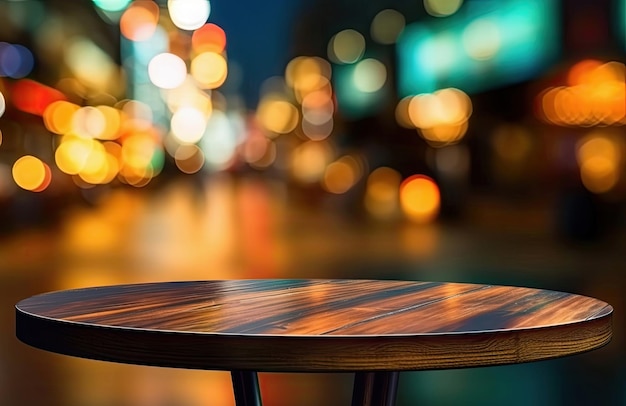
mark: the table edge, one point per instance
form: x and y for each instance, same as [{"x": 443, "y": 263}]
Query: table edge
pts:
[{"x": 306, "y": 353}]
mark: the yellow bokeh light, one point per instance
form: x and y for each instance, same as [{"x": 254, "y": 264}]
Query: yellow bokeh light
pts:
[
  {"x": 444, "y": 134},
  {"x": 306, "y": 74},
  {"x": 402, "y": 112},
  {"x": 370, "y": 75},
  {"x": 600, "y": 158},
  {"x": 167, "y": 71},
  {"x": 387, "y": 26},
  {"x": 92, "y": 66},
  {"x": 31, "y": 173},
  {"x": 382, "y": 192},
  {"x": 188, "y": 95},
  {"x": 112, "y": 123},
  {"x": 599, "y": 174},
  {"x": 309, "y": 161},
  {"x": 137, "y": 153},
  {"x": 58, "y": 116},
  {"x": 72, "y": 154},
  {"x": 420, "y": 198},
  {"x": 101, "y": 166},
  {"x": 278, "y": 116},
  {"x": 347, "y": 46},
  {"x": 209, "y": 69},
  {"x": 442, "y": 8},
  {"x": 441, "y": 117},
  {"x": 341, "y": 175}
]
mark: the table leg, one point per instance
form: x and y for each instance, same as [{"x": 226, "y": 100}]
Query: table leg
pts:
[
  {"x": 375, "y": 388},
  {"x": 246, "y": 388}
]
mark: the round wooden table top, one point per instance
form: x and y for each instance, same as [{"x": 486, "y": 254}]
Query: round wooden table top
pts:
[{"x": 314, "y": 325}]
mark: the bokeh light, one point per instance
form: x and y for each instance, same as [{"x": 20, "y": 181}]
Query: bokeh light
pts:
[
  {"x": 347, "y": 46},
  {"x": 442, "y": 8},
  {"x": 318, "y": 107},
  {"x": 441, "y": 117},
  {"x": 387, "y": 26},
  {"x": 3, "y": 104},
  {"x": 167, "y": 71},
  {"x": 370, "y": 75},
  {"x": 188, "y": 125},
  {"x": 220, "y": 140},
  {"x": 420, "y": 198},
  {"x": 92, "y": 66},
  {"x": 140, "y": 19},
  {"x": 189, "y": 14},
  {"x": 112, "y": 5},
  {"x": 382, "y": 193},
  {"x": 73, "y": 152},
  {"x": 307, "y": 74},
  {"x": 88, "y": 122},
  {"x": 342, "y": 174},
  {"x": 595, "y": 94},
  {"x": 33, "y": 97},
  {"x": 319, "y": 131},
  {"x": 209, "y": 69},
  {"x": 481, "y": 38},
  {"x": 189, "y": 158},
  {"x": 208, "y": 38},
  {"x": 277, "y": 115},
  {"x": 600, "y": 160},
  {"x": 142, "y": 158},
  {"x": 58, "y": 116},
  {"x": 137, "y": 114},
  {"x": 309, "y": 161},
  {"x": 16, "y": 61},
  {"x": 31, "y": 173}
]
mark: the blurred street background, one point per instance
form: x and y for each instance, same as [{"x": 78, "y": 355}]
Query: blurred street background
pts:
[{"x": 450, "y": 140}]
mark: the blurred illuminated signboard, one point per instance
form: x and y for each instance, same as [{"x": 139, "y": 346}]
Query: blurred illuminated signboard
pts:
[{"x": 485, "y": 45}]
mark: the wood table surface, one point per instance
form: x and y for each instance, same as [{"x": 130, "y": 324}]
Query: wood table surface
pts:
[{"x": 314, "y": 325}]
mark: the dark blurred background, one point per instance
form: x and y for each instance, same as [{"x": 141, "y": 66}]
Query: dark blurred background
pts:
[{"x": 451, "y": 140}]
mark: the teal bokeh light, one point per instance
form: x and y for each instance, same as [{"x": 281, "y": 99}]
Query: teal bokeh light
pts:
[
  {"x": 480, "y": 48},
  {"x": 112, "y": 5}
]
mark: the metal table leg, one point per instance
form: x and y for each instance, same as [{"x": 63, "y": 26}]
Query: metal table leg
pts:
[
  {"x": 246, "y": 388},
  {"x": 375, "y": 388}
]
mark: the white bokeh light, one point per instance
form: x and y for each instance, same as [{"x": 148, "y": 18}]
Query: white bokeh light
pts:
[
  {"x": 3, "y": 104},
  {"x": 167, "y": 71},
  {"x": 188, "y": 125},
  {"x": 189, "y": 14}
]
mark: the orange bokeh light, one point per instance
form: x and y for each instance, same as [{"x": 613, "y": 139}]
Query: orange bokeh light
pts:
[
  {"x": 420, "y": 198},
  {"x": 208, "y": 38},
  {"x": 139, "y": 21}
]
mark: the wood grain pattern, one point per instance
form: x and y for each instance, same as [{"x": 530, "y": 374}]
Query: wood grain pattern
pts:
[{"x": 314, "y": 325}]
